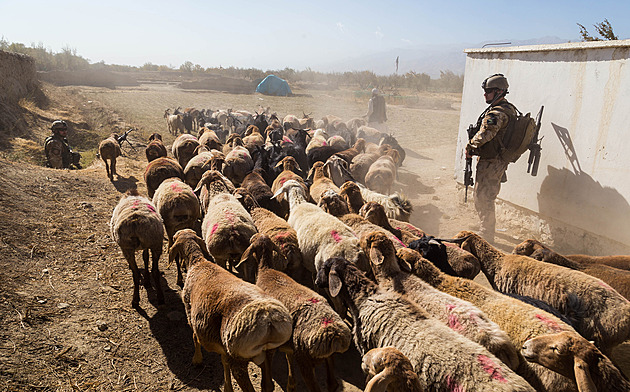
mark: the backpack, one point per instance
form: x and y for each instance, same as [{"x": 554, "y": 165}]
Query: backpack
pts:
[
  {"x": 510, "y": 143},
  {"x": 518, "y": 136}
]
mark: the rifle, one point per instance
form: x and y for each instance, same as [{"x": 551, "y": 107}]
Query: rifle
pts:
[
  {"x": 468, "y": 175},
  {"x": 534, "y": 147},
  {"x": 123, "y": 138}
]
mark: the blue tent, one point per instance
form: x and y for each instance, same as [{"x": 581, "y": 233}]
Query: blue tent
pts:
[{"x": 273, "y": 85}]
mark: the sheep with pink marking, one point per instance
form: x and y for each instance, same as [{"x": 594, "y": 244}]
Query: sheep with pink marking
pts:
[
  {"x": 227, "y": 226},
  {"x": 444, "y": 360},
  {"x": 320, "y": 234},
  {"x": 136, "y": 224}
]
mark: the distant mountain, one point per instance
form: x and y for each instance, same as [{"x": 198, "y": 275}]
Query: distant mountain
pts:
[{"x": 429, "y": 59}]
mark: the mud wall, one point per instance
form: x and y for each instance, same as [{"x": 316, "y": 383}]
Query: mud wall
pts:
[
  {"x": 585, "y": 88},
  {"x": 18, "y": 77}
]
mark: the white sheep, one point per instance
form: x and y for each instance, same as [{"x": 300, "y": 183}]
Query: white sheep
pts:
[
  {"x": 601, "y": 313},
  {"x": 443, "y": 359},
  {"x": 397, "y": 206},
  {"x": 320, "y": 234},
  {"x": 136, "y": 224},
  {"x": 228, "y": 316},
  {"x": 459, "y": 315}
]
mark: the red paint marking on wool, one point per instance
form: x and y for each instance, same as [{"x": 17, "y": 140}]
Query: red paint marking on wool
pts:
[
  {"x": 453, "y": 323},
  {"x": 282, "y": 181},
  {"x": 335, "y": 236},
  {"x": 282, "y": 235},
  {"x": 491, "y": 368},
  {"x": 604, "y": 285},
  {"x": 214, "y": 228},
  {"x": 327, "y": 321},
  {"x": 313, "y": 300},
  {"x": 151, "y": 208},
  {"x": 175, "y": 187},
  {"x": 229, "y": 215},
  {"x": 287, "y": 140},
  {"x": 400, "y": 242},
  {"x": 450, "y": 244},
  {"x": 450, "y": 307},
  {"x": 549, "y": 322},
  {"x": 135, "y": 204},
  {"x": 452, "y": 385}
]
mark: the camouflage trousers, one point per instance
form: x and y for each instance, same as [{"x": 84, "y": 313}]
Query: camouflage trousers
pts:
[{"x": 487, "y": 187}]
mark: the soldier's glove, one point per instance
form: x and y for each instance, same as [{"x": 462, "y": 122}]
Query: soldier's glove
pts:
[{"x": 470, "y": 150}]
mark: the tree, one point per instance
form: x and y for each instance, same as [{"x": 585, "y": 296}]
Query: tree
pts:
[{"x": 604, "y": 29}]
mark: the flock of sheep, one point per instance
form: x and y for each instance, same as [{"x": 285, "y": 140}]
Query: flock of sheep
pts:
[{"x": 291, "y": 240}]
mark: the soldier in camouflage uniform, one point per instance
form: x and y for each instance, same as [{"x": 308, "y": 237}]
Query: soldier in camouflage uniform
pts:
[
  {"x": 487, "y": 144},
  {"x": 59, "y": 155}
]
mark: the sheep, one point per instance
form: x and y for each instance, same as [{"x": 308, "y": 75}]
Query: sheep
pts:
[
  {"x": 280, "y": 232},
  {"x": 238, "y": 163},
  {"x": 338, "y": 170},
  {"x": 136, "y": 224},
  {"x": 361, "y": 164},
  {"x": 159, "y": 170},
  {"x": 179, "y": 208},
  {"x": 391, "y": 141},
  {"x": 615, "y": 261},
  {"x": 573, "y": 357},
  {"x": 289, "y": 172},
  {"x": 319, "y": 182},
  {"x": 319, "y": 139},
  {"x": 618, "y": 279},
  {"x": 459, "y": 315},
  {"x": 382, "y": 174},
  {"x": 233, "y": 318},
  {"x": 209, "y": 139},
  {"x": 448, "y": 257},
  {"x": 318, "y": 332},
  {"x": 349, "y": 153},
  {"x": 355, "y": 123},
  {"x": 442, "y": 359},
  {"x": 109, "y": 149},
  {"x": 602, "y": 314},
  {"x": 174, "y": 122},
  {"x": 212, "y": 183},
  {"x": 155, "y": 149},
  {"x": 291, "y": 121},
  {"x": 184, "y": 147},
  {"x": 396, "y": 205},
  {"x": 321, "y": 153},
  {"x": 200, "y": 163},
  {"x": 388, "y": 370},
  {"x": 255, "y": 184},
  {"x": 320, "y": 234},
  {"x": 227, "y": 226},
  {"x": 351, "y": 193},
  {"x": 335, "y": 205},
  {"x": 253, "y": 138},
  {"x": 370, "y": 134},
  {"x": 519, "y": 320}
]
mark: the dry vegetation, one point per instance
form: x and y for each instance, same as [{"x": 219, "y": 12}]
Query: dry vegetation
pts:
[{"x": 66, "y": 289}]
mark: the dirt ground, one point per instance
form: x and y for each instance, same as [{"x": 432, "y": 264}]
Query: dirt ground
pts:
[{"x": 66, "y": 288}]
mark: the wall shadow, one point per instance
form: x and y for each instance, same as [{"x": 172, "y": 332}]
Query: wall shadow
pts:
[{"x": 579, "y": 200}]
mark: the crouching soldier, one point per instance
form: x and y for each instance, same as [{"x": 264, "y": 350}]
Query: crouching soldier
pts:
[{"x": 59, "y": 155}]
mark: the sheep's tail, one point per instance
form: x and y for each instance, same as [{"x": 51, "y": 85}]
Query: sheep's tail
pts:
[
  {"x": 323, "y": 332},
  {"x": 401, "y": 205},
  {"x": 261, "y": 325}
]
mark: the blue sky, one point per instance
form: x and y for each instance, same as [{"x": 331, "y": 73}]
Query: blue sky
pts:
[{"x": 274, "y": 34}]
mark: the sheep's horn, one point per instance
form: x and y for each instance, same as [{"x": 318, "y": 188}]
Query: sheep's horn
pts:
[{"x": 458, "y": 241}]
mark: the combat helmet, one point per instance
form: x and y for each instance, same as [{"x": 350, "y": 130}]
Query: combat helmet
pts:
[
  {"x": 58, "y": 125},
  {"x": 497, "y": 81}
]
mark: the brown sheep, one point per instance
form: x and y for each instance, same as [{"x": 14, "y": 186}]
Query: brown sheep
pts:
[
  {"x": 159, "y": 170},
  {"x": 388, "y": 370},
  {"x": 155, "y": 149},
  {"x": 184, "y": 148},
  {"x": 109, "y": 149}
]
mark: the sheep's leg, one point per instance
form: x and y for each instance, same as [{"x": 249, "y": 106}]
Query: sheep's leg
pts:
[
  {"x": 113, "y": 167},
  {"x": 267, "y": 380},
  {"x": 147, "y": 278},
  {"x": 106, "y": 167},
  {"x": 290, "y": 377},
  {"x": 155, "y": 271},
  {"x": 130, "y": 255},
  {"x": 227, "y": 378},
  {"x": 308, "y": 372},
  {"x": 239, "y": 370},
  {"x": 331, "y": 380},
  {"x": 197, "y": 356}
]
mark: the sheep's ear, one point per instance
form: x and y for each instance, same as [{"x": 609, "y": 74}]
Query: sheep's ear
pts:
[
  {"x": 173, "y": 252},
  {"x": 583, "y": 376},
  {"x": 245, "y": 256},
  {"x": 404, "y": 265},
  {"x": 334, "y": 283},
  {"x": 379, "y": 383},
  {"x": 204, "y": 249},
  {"x": 279, "y": 164},
  {"x": 376, "y": 256},
  {"x": 278, "y": 192}
]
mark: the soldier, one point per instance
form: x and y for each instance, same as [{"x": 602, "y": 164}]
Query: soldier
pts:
[
  {"x": 59, "y": 155},
  {"x": 377, "y": 111},
  {"x": 486, "y": 143}
]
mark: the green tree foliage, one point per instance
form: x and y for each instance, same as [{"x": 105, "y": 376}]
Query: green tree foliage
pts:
[{"x": 604, "y": 29}]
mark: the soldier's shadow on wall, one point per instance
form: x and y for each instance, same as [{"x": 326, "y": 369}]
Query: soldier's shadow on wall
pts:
[{"x": 576, "y": 198}]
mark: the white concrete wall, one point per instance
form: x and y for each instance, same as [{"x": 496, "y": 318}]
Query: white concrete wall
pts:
[{"x": 584, "y": 174}]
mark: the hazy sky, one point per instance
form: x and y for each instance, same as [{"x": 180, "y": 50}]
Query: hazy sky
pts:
[{"x": 273, "y": 34}]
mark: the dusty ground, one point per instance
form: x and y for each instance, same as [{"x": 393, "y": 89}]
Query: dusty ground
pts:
[{"x": 66, "y": 289}]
